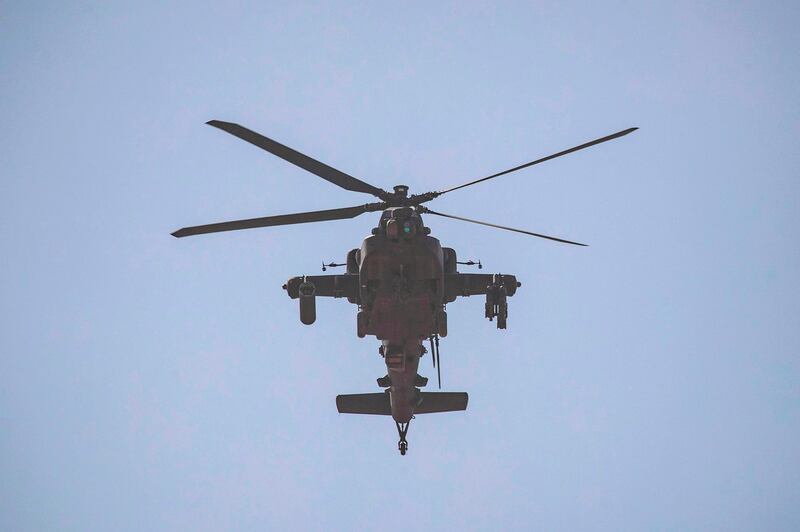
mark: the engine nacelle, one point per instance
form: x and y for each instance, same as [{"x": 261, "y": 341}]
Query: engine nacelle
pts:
[{"x": 308, "y": 302}]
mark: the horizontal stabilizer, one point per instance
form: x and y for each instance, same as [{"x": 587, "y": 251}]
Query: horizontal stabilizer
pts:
[
  {"x": 364, "y": 403},
  {"x": 432, "y": 402},
  {"x": 379, "y": 403}
]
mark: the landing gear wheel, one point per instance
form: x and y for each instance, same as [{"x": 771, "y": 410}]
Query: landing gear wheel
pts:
[{"x": 402, "y": 430}]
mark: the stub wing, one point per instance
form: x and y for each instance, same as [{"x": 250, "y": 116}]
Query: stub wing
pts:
[
  {"x": 345, "y": 285},
  {"x": 473, "y": 284}
]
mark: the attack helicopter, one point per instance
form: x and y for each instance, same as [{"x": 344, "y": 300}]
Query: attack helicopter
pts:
[{"x": 401, "y": 279}]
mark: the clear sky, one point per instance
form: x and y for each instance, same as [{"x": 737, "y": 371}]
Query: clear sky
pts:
[{"x": 648, "y": 382}]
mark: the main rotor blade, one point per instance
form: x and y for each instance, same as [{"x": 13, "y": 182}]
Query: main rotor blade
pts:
[
  {"x": 543, "y": 159},
  {"x": 268, "y": 221},
  {"x": 502, "y": 227},
  {"x": 305, "y": 162}
]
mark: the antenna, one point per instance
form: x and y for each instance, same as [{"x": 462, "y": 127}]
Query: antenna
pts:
[
  {"x": 330, "y": 265},
  {"x": 472, "y": 263}
]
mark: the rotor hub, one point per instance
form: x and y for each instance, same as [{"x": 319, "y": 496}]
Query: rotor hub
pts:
[{"x": 401, "y": 191}]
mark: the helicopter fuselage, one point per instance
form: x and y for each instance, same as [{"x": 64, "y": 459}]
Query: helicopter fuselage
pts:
[
  {"x": 401, "y": 287},
  {"x": 401, "y": 278}
]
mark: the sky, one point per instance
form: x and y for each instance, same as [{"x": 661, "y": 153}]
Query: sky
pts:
[{"x": 648, "y": 382}]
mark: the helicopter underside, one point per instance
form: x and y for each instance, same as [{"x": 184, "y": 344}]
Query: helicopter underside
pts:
[{"x": 401, "y": 280}]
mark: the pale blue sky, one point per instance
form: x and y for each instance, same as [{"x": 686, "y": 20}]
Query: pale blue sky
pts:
[{"x": 648, "y": 382}]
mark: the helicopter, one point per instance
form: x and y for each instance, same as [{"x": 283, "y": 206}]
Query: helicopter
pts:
[{"x": 401, "y": 279}]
